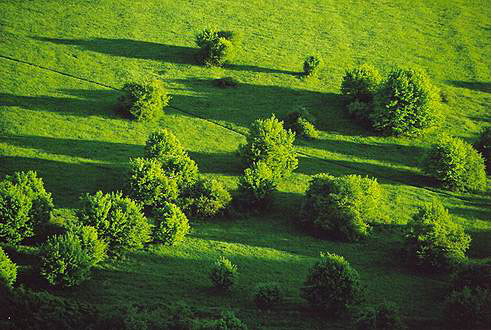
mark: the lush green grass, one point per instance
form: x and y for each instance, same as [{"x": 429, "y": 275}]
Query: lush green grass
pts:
[{"x": 65, "y": 128}]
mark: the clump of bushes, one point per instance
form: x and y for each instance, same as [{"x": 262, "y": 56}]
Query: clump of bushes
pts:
[
  {"x": 312, "y": 65},
  {"x": 150, "y": 184},
  {"x": 94, "y": 247},
  {"x": 171, "y": 224},
  {"x": 25, "y": 207},
  {"x": 332, "y": 285},
  {"x": 144, "y": 102},
  {"x": 227, "y": 321},
  {"x": 433, "y": 241},
  {"x": 267, "y": 296},
  {"x": 456, "y": 165},
  {"x": 8, "y": 271},
  {"x": 345, "y": 206},
  {"x": 256, "y": 187},
  {"x": 405, "y": 104},
  {"x": 270, "y": 143},
  {"x": 206, "y": 198},
  {"x": 385, "y": 316},
  {"x": 471, "y": 275},
  {"x": 223, "y": 274},
  {"x": 301, "y": 123},
  {"x": 468, "y": 309},
  {"x": 119, "y": 221},
  {"x": 483, "y": 145},
  {"x": 217, "y": 47}
]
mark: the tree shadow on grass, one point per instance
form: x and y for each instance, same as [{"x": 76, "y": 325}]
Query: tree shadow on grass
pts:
[
  {"x": 474, "y": 85},
  {"x": 223, "y": 163},
  {"x": 99, "y": 103},
  {"x": 253, "y": 68}
]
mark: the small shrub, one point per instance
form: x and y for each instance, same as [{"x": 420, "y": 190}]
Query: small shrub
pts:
[
  {"x": 468, "y": 308},
  {"x": 361, "y": 83},
  {"x": 206, "y": 198},
  {"x": 483, "y": 145},
  {"x": 223, "y": 274},
  {"x": 345, "y": 206},
  {"x": 227, "y": 321},
  {"x": 312, "y": 65},
  {"x": 456, "y": 165},
  {"x": 433, "y": 241},
  {"x": 8, "y": 271},
  {"x": 267, "y": 296},
  {"x": 406, "y": 104},
  {"x": 144, "y": 102},
  {"x": 92, "y": 245},
  {"x": 270, "y": 143},
  {"x": 385, "y": 316},
  {"x": 163, "y": 143},
  {"x": 301, "y": 123},
  {"x": 256, "y": 187},
  {"x": 171, "y": 224},
  {"x": 332, "y": 285},
  {"x": 119, "y": 221},
  {"x": 64, "y": 262},
  {"x": 15, "y": 222},
  {"x": 473, "y": 276},
  {"x": 226, "y": 82},
  {"x": 150, "y": 184},
  {"x": 217, "y": 47}
]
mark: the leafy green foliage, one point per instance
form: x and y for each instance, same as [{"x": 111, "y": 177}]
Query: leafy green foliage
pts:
[
  {"x": 119, "y": 221},
  {"x": 163, "y": 146},
  {"x": 150, "y": 184},
  {"x": 312, "y": 65},
  {"x": 332, "y": 285},
  {"x": 227, "y": 321},
  {"x": 385, "y": 316},
  {"x": 256, "y": 187},
  {"x": 94, "y": 247},
  {"x": 468, "y": 309},
  {"x": 483, "y": 145},
  {"x": 433, "y": 241},
  {"x": 64, "y": 262},
  {"x": 344, "y": 206},
  {"x": 144, "y": 102},
  {"x": 15, "y": 223},
  {"x": 456, "y": 165},
  {"x": 171, "y": 224},
  {"x": 8, "y": 271},
  {"x": 406, "y": 104},
  {"x": 223, "y": 274},
  {"x": 270, "y": 143},
  {"x": 217, "y": 47},
  {"x": 206, "y": 198},
  {"x": 301, "y": 122},
  {"x": 268, "y": 295}
]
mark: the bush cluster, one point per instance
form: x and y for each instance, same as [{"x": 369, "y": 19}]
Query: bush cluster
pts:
[
  {"x": 332, "y": 285},
  {"x": 433, "y": 240},
  {"x": 256, "y": 187},
  {"x": 119, "y": 221},
  {"x": 345, "y": 206},
  {"x": 483, "y": 145},
  {"x": 385, "y": 316},
  {"x": 456, "y": 165},
  {"x": 144, "y": 102},
  {"x": 8, "y": 271},
  {"x": 268, "y": 295},
  {"x": 206, "y": 198},
  {"x": 312, "y": 65},
  {"x": 227, "y": 321},
  {"x": 223, "y": 274},
  {"x": 95, "y": 248},
  {"x": 301, "y": 123},
  {"x": 217, "y": 47},
  {"x": 25, "y": 207},
  {"x": 171, "y": 224}
]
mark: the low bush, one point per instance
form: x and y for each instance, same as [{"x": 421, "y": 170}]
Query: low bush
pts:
[
  {"x": 217, "y": 47},
  {"x": 270, "y": 143},
  {"x": 144, "y": 102},
  {"x": 171, "y": 224},
  {"x": 150, "y": 184},
  {"x": 471, "y": 275},
  {"x": 301, "y": 123},
  {"x": 456, "y": 165},
  {"x": 256, "y": 187},
  {"x": 206, "y": 198},
  {"x": 433, "y": 241},
  {"x": 468, "y": 309},
  {"x": 223, "y": 274},
  {"x": 94, "y": 247},
  {"x": 8, "y": 271},
  {"x": 119, "y": 221},
  {"x": 406, "y": 104},
  {"x": 64, "y": 262},
  {"x": 385, "y": 316},
  {"x": 15, "y": 222},
  {"x": 227, "y": 321},
  {"x": 332, "y": 285},
  {"x": 483, "y": 145},
  {"x": 312, "y": 65},
  {"x": 226, "y": 82},
  {"x": 267, "y": 296},
  {"x": 343, "y": 207}
]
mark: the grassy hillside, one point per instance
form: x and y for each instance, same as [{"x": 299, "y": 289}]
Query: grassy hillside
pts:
[{"x": 62, "y": 63}]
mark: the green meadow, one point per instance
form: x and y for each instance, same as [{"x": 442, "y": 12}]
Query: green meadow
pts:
[{"x": 63, "y": 63}]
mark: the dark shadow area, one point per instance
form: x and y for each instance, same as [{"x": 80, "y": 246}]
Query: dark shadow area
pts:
[
  {"x": 224, "y": 163},
  {"x": 131, "y": 49},
  {"x": 68, "y": 181},
  {"x": 84, "y": 103},
  {"x": 480, "y": 245},
  {"x": 253, "y": 68},
  {"x": 474, "y": 85}
]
